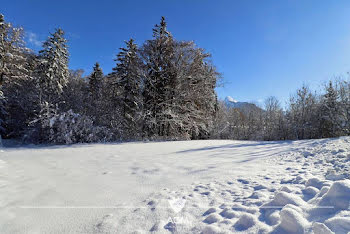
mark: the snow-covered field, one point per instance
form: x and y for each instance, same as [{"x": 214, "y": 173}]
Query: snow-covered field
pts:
[{"x": 214, "y": 186}]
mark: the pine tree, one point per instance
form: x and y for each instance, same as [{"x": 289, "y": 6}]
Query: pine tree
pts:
[
  {"x": 52, "y": 72},
  {"x": 160, "y": 81},
  {"x": 76, "y": 93},
  {"x": 95, "y": 82},
  {"x": 179, "y": 92},
  {"x": 330, "y": 126},
  {"x": 12, "y": 59},
  {"x": 128, "y": 86},
  {"x": 16, "y": 64},
  {"x": 53, "y": 69},
  {"x": 95, "y": 92}
]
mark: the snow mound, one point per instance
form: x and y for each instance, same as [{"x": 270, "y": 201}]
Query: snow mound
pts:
[
  {"x": 273, "y": 218},
  {"x": 337, "y": 196},
  {"x": 323, "y": 191},
  {"x": 321, "y": 228},
  {"x": 339, "y": 224},
  {"x": 285, "y": 189},
  {"x": 283, "y": 198},
  {"x": 228, "y": 214},
  {"x": 292, "y": 221},
  {"x": 245, "y": 222},
  {"x": 314, "y": 182},
  {"x": 213, "y": 218},
  {"x": 310, "y": 192},
  {"x": 211, "y": 230},
  {"x": 333, "y": 175}
]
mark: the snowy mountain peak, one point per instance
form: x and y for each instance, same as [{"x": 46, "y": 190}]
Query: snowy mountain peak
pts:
[
  {"x": 232, "y": 103},
  {"x": 230, "y": 99}
]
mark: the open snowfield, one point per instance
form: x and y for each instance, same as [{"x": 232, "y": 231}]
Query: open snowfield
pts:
[{"x": 215, "y": 186}]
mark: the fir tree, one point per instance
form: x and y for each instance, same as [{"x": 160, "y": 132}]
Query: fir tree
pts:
[
  {"x": 13, "y": 53},
  {"x": 330, "y": 113},
  {"x": 16, "y": 81},
  {"x": 52, "y": 73},
  {"x": 95, "y": 82},
  {"x": 76, "y": 93},
  {"x": 159, "y": 82},
  {"x": 53, "y": 69},
  {"x": 128, "y": 86},
  {"x": 95, "y": 92}
]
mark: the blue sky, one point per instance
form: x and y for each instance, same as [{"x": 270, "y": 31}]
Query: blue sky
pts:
[{"x": 261, "y": 47}]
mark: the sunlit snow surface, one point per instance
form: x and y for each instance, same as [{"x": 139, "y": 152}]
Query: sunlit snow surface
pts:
[{"x": 214, "y": 186}]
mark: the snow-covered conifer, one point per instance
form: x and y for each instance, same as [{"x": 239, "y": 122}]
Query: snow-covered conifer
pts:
[
  {"x": 95, "y": 82},
  {"x": 128, "y": 88},
  {"x": 94, "y": 104},
  {"x": 53, "y": 68},
  {"x": 159, "y": 81},
  {"x": 330, "y": 112},
  {"x": 16, "y": 79}
]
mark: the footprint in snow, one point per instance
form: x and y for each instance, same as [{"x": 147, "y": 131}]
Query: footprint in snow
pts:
[
  {"x": 206, "y": 193},
  {"x": 243, "y": 181},
  {"x": 209, "y": 211}
]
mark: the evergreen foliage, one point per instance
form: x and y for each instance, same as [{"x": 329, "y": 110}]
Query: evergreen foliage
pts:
[
  {"x": 128, "y": 74},
  {"x": 53, "y": 67}
]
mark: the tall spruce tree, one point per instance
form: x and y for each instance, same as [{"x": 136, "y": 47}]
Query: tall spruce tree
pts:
[
  {"x": 95, "y": 92},
  {"x": 13, "y": 64},
  {"x": 179, "y": 91},
  {"x": 95, "y": 82},
  {"x": 159, "y": 81},
  {"x": 330, "y": 125},
  {"x": 53, "y": 69},
  {"x": 16, "y": 81},
  {"x": 128, "y": 87},
  {"x": 52, "y": 73}
]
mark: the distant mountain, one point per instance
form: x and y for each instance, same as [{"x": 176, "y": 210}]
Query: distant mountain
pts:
[{"x": 232, "y": 103}]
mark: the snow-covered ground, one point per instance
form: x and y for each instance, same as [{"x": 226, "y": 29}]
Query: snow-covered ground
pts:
[{"x": 214, "y": 186}]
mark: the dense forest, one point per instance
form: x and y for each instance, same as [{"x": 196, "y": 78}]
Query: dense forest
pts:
[{"x": 163, "y": 89}]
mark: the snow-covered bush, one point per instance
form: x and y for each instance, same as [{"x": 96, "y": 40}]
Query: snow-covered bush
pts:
[
  {"x": 2, "y": 111},
  {"x": 68, "y": 127}
]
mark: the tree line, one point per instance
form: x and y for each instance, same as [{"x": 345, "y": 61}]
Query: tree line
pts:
[
  {"x": 307, "y": 115},
  {"x": 161, "y": 90},
  {"x": 164, "y": 89}
]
